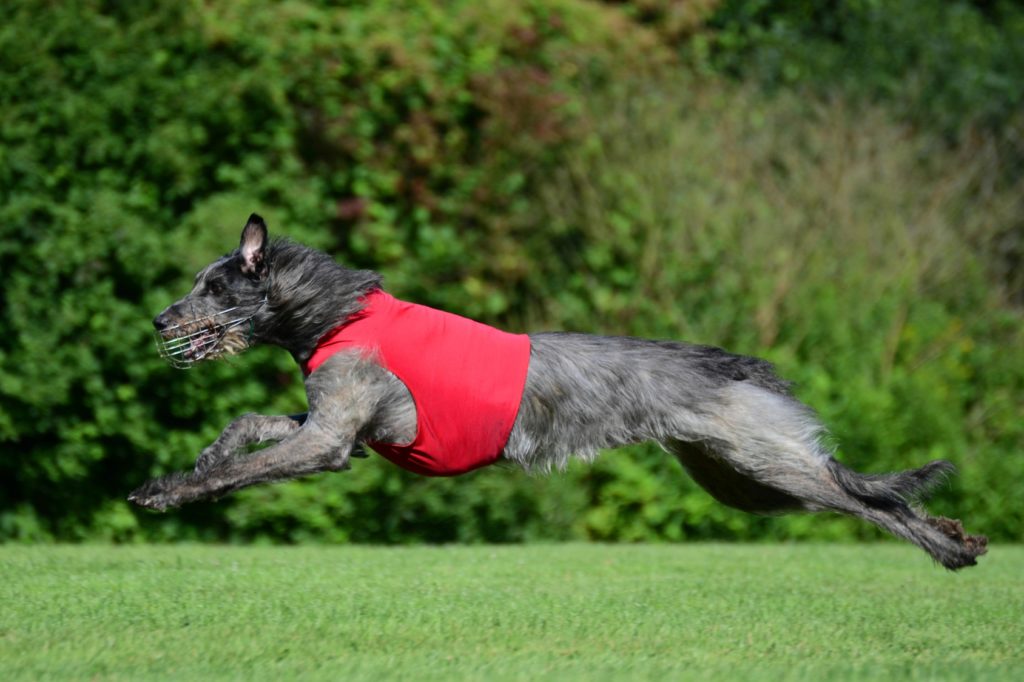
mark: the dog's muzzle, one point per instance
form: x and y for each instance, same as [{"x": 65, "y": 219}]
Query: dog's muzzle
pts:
[{"x": 202, "y": 338}]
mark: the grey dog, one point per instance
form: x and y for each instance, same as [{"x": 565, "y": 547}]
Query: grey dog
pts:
[{"x": 729, "y": 420}]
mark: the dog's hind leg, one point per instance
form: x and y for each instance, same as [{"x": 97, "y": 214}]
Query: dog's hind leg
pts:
[
  {"x": 888, "y": 500},
  {"x": 764, "y": 455},
  {"x": 726, "y": 484}
]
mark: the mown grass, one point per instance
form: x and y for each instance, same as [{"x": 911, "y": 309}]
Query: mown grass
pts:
[{"x": 511, "y": 612}]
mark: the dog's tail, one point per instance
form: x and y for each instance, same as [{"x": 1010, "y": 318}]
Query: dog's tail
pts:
[
  {"x": 888, "y": 490},
  {"x": 889, "y": 501}
]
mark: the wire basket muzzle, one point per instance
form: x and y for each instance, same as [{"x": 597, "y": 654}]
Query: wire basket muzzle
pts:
[{"x": 185, "y": 344}]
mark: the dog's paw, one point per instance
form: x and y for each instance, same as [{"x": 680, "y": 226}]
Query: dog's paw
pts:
[{"x": 159, "y": 494}]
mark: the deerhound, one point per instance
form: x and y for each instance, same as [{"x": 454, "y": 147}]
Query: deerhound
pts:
[{"x": 440, "y": 395}]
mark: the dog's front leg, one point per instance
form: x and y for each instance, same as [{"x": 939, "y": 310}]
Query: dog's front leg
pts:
[
  {"x": 249, "y": 429},
  {"x": 349, "y": 395},
  {"x": 253, "y": 429},
  {"x": 308, "y": 451}
]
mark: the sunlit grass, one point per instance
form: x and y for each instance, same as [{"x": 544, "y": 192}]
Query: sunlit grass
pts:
[{"x": 512, "y": 612}]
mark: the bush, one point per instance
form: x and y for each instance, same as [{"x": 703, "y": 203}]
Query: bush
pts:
[
  {"x": 945, "y": 62},
  {"x": 137, "y": 138},
  {"x": 482, "y": 156},
  {"x": 845, "y": 246}
]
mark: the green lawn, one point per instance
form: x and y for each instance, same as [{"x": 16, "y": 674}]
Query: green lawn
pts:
[{"x": 585, "y": 612}]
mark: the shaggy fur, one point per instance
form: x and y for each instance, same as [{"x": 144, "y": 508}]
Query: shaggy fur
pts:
[{"x": 728, "y": 419}]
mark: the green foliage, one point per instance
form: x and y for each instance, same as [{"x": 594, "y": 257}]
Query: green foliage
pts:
[
  {"x": 135, "y": 139},
  {"x": 674, "y": 20},
  {"x": 946, "y": 61},
  {"x": 834, "y": 250},
  {"x": 488, "y": 158}
]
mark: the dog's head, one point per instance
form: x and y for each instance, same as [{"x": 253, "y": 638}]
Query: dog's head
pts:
[{"x": 218, "y": 317}]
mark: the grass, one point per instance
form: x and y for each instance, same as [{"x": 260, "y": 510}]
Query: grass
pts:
[{"x": 506, "y": 613}]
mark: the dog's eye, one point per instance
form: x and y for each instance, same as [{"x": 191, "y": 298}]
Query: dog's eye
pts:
[{"x": 215, "y": 288}]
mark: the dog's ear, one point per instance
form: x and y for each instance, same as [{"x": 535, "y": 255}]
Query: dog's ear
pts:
[{"x": 253, "y": 247}]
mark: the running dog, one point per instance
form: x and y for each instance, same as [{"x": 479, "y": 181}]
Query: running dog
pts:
[{"x": 439, "y": 394}]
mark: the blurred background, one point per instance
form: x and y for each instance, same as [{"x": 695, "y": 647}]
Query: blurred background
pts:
[{"x": 835, "y": 186}]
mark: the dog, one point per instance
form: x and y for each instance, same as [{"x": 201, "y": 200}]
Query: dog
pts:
[{"x": 441, "y": 395}]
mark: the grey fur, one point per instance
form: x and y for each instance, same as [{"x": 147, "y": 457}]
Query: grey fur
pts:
[{"x": 728, "y": 419}]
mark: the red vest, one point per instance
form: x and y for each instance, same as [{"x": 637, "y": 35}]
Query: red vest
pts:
[{"x": 466, "y": 379}]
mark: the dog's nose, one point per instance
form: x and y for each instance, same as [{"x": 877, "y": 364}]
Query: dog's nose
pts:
[{"x": 160, "y": 322}]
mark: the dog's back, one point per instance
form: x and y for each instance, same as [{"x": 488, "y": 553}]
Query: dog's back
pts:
[{"x": 585, "y": 393}]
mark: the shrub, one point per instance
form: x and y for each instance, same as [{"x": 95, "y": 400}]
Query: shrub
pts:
[
  {"x": 137, "y": 136},
  {"x": 945, "y": 62},
  {"x": 481, "y": 155},
  {"x": 845, "y": 246}
]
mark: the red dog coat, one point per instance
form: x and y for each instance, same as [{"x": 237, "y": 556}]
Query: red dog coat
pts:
[{"x": 466, "y": 379}]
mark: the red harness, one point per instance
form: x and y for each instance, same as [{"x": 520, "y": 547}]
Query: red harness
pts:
[{"x": 466, "y": 379}]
